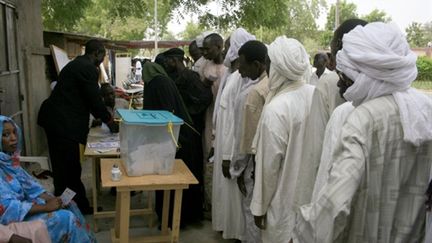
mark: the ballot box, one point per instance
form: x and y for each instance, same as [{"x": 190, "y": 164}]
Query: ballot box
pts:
[{"x": 148, "y": 141}]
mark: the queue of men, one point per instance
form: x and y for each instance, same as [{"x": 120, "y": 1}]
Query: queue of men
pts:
[
  {"x": 283, "y": 152},
  {"x": 341, "y": 153}
]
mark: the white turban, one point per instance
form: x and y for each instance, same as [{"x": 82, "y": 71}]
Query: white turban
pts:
[
  {"x": 289, "y": 62},
  {"x": 379, "y": 60},
  {"x": 200, "y": 38},
  {"x": 237, "y": 39}
]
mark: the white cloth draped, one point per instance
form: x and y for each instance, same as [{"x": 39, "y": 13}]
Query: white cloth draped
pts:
[
  {"x": 279, "y": 139},
  {"x": 279, "y": 146},
  {"x": 222, "y": 84},
  {"x": 227, "y": 214},
  {"x": 378, "y": 59},
  {"x": 237, "y": 39},
  {"x": 365, "y": 198},
  {"x": 289, "y": 62},
  {"x": 331, "y": 136},
  {"x": 200, "y": 38}
]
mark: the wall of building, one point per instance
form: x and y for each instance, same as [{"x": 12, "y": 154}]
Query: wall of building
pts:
[{"x": 35, "y": 86}]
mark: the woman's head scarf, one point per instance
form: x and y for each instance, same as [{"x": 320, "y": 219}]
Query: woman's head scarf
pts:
[
  {"x": 4, "y": 119},
  {"x": 151, "y": 70}
]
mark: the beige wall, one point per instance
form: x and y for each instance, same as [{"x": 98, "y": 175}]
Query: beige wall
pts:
[{"x": 35, "y": 87}]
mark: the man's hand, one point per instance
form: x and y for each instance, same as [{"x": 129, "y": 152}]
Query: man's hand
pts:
[
  {"x": 113, "y": 127},
  {"x": 260, "y": 221},
  {"x": 18, "y": 239},
  {"x": 53, "y": 204},
  {"x": 45, "y": 196},
  {"x": 225, "y": 168},
  {"x": 96, "y": 123},
  {"x": 241, "y": 184}
]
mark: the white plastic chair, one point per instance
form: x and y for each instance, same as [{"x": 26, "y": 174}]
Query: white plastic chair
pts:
[{"x": 41, "y": 160}]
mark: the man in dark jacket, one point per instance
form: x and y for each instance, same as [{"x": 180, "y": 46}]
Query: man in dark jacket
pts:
[
  {"x": 196, "y": 95},
  {"x": 160, "y": 93},
  {"x": 65, "y": 118}
]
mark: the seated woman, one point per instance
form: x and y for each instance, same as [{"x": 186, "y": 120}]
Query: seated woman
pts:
[{"x": 23, "y": 199}]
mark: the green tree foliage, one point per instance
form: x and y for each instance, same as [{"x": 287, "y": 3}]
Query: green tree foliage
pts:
[
  {"x": 376, "y": 16},
  {"x": 346, "y": 11},
  {"x": 416, "y": 35},
  {"x": 267, "y": 35},
  {"x": 115, "y": 19},
  {"x": 62, "y": 15},
  {"x": 294, "y": 18},
  {"x": 424, "y": 66},
  {"x": 325, "y": 38},
  {"x": 168, "y": 36},
  {"x": 129, "y": 19},
  {"x": 427, "y": 30},
  {"x": 191, "y": 31},
  {"x": 311, "y": 46}
]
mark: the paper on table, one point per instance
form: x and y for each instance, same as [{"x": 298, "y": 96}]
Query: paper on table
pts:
[{"x": 102, "y": 145}]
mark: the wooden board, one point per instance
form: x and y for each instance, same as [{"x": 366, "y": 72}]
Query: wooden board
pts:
[
  {"x": 60, "y": 57},
  {"x": 181, "y": 176},
  {"x": 122, "y": 68}
]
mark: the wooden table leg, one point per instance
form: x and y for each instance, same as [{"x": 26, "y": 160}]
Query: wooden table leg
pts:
[
  {"x": 117, "y": 215},
  {"x": 165, "y": 212},
  {"x": 94, "y": 192},
  {"x": 124, "y": 215},
  {"x": 98, "y": 175},
  {"x": 176, "y": 215},
  {"x": 150, "y": 207}
]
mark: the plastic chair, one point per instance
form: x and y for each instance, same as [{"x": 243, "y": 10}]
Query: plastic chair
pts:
[{"x": 41, "y": 160}]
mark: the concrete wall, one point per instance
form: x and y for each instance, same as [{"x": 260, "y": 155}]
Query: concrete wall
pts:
[{"x": 35, "y": 87}]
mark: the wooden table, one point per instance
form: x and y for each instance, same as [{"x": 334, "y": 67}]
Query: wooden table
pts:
[
  {"x": 97, "y": 134},
  {"x": 180, "y": 179}
]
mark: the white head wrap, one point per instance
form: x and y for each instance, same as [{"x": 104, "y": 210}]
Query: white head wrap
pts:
[
  {"x": 200, "y": 38},
  {"x": 289, "y": 62},
  {"x": 379, "y": 60},
  {"x": 237, "y": 39}
]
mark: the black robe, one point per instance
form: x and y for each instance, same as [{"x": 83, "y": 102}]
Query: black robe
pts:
[
  {"x": 195, "y": 94},
  {"x": 161, "y": 94}
]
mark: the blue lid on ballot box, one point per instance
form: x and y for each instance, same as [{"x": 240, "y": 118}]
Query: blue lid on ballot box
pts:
[{"x": 148, "y": 117}]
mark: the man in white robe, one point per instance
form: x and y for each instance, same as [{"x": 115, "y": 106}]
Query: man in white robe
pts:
[
  {"x": 227, "y": 214},
  {"x": 201, "y": 61},
  {"x": 319, "y": 68},
  {"x": 211, "y": 72},
  {"x": 325, "y": 99},
  {"x": 331, "y": 135},
  {"x": 247, "y": 111},
  {"x": 381, "y": 162},
  {"x": 279, "y": 138}
]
